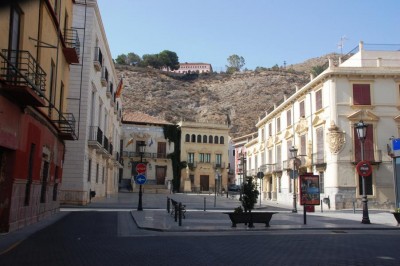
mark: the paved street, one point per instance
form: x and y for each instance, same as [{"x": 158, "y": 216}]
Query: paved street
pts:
[{"x": 106, "y": 233}]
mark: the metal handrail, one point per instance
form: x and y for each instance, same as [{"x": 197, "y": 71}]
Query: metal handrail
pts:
[{"x": 71, "y": 38}]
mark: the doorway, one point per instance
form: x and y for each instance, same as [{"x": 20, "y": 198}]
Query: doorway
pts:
[
  {"x": 161, "y": 172},
  {"x": 204, "y": 183}
]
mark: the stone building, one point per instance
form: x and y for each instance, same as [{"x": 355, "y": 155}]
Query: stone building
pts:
[
  {"x": 204, "y": 146},
  {"x": 319, "y": 120},
  {"x": 93, "y": 163},
  {"x": 138, "y": 130},
  {"x": 38, "y": 45},
  {"x": 187, "y": 68}
]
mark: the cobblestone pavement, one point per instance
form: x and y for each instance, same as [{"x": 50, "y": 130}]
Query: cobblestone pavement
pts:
[{"x": 105, "y": 233}]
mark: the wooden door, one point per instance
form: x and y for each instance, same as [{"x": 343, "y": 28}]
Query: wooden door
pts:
[
  {"x": 204, "y": 183},
  {"x": 161, "y": 172}
]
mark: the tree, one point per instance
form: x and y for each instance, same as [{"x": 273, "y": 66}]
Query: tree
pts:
[
  {"x": 121, "y": 59},
  {"x": 152, "y": 60},
  {"x": 250, "y": 194},
  {"x": 133, "y": 59},
  {"x": 169, "y": 60},
  {"x": 235, "y": 63},
  {"x": 316, "y": 70}
]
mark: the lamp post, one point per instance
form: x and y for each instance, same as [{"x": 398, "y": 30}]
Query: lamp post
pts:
[
  {"x": 293, "y": 152},
  {"x": 361, "y": 129},
  {"x": 215, "y": 188},
  {"x": 242, "y": 169},
  {"x": 142, "y": 148}
]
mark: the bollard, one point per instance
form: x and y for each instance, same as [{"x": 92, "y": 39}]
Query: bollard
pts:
[
  {"x": 204, "y": 203},
  {"x": 168, "y": 205},
  {"x": 176, "y": 212},
  {"x": 354, "y": 206},
  {"x": 322, "y": 208},
  {"x": 180, "y": 214}
]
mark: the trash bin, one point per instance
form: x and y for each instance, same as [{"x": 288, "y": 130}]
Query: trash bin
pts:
[{"x": 310, "y": 208}]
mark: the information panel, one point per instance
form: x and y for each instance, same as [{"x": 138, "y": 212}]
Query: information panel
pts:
[{"x": 309, "y": 189}]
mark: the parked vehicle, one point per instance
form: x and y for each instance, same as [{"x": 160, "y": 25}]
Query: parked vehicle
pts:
[{"x": 233, "y": 187}]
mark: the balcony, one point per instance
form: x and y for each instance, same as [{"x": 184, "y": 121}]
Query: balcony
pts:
[
  {"x": 219, "y": 165},
  {"x": 267, "y": 168},
  {"x": 23, "y": 80},
  {"x": 66, "y": 126},
  {"x": 318, "y": 159},
  {"x": 98, "y": 59},
  {"x": 95, "y": 137},
  {"x": 287, "y": 164},
  {"x": 278, "y": 167},
  {"x": 105, "y": 151},
  {"x": 104, "y": 77},
  {"x": 192, "y": 165},
  {"x": 371, "y": 155},
  {"x": 109, "y": 90},
  {"x": 72, "y": 46}
]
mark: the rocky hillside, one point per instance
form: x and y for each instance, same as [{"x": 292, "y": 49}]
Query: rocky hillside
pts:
[{"x": 238, "y": 99}]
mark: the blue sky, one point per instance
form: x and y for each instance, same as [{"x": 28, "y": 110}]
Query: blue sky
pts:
[{"x": 264, "y": 32}]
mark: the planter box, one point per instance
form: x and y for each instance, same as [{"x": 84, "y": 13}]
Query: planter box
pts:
[
  {"x": 397, "y": 217},
  {"x": 250, "y": 218}
]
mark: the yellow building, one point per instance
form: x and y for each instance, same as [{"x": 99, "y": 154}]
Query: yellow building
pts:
[
  {"x": 37, "y": 46},
  {"x": 204, "y": 146}
]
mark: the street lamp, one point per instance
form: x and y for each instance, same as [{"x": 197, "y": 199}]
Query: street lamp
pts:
[
  {"x": 293, "y": 152},
  {"x": 361, "y": 129},
  {"x": 215, "y": 188},
  {"x": 142, "y": 148},
  {"x": 242, "y": 169}
]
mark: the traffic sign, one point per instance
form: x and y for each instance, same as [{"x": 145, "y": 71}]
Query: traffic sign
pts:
[
  {"x": 141, "y": 179},
  {"x": 364, "y": 168},
  {"x": 141, "y": 168},
  {"x": 260, "y": 175}
]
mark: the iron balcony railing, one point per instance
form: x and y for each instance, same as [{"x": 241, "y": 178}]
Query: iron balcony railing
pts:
[
  {"x": 219, "y": 165},
  {"x": 104, "y": 76},
  {"x": 106, "y": 144},
  {"x": 371, "y": 155},
  {"x": 111, "y": 149},
  {"x": 98, "y": 57},
  {"x": 318, "y": 158},
  {"x": 267, "y": 168},
  {"x": 96, "y": 134},
  {"x": 287, "y": 164},
  {"x": 19, "y": 68},
  {"x": 66, "y": 124},
  {"x": 132, "y": 154},
  {"x": 72, "y": 40}
]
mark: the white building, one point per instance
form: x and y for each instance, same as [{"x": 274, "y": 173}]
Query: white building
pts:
[
  {"x": 319, "y": 118},
  {"x": 140, "y": 129},
  {"x": 92, "y": 163}
]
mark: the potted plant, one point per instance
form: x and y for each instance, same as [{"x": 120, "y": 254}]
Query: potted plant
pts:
[
  {"x": 243, "y": 214},
  {"x": 396, "y": 215}
]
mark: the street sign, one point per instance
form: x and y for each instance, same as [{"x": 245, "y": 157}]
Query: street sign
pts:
[
  {"x": 260, "y": 175},
  {"x": 141, "y": 179},
  {"x": 364, "y": 168},
  {"x": 141, "y": 168}
]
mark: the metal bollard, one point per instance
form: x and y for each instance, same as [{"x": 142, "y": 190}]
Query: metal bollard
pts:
[
  {"x": 176, "y": 212},
  {"x": 322, "y": 208},
  {"x": 180, "y": 214},
  {"x": 204, "y": 203},
  {"x": 168, "y": 205}
]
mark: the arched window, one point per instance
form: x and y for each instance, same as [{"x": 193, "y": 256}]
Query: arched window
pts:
[
  {"x": 193, "y": 138},
  {"x": 198, "y": 138},
  {"x": 204, "y": 139},
  {"x": 221, "y": 140},
  {"x": 216, "y": 139},
  {"x": 187, "y": 138},
  {"x": 210, "y": 139}
]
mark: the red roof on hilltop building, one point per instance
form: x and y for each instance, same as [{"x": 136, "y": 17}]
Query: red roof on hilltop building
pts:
[{"x": 142, "y": 118}]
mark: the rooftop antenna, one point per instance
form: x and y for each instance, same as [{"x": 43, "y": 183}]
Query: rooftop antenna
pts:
[{"x": 341, "y": 43}]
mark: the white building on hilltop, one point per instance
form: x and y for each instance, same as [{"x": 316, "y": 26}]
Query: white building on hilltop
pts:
[{"x": 319, "y": 120}]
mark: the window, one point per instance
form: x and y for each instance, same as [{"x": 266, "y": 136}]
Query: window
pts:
[
  {"x": 302, "y": 111},
  {"x": 320, "y": 145},
  {"x": 318, "y": 100},
  {"x": 92, "y": 107},
  {"x": 218, "y": 159},
  {"x": 278, "y": 125},
  {"x": 52, "y": 87},
  {"x": 289, "y": 117},
  {"x": 97, "y": 173},
  {"x": 204, "y": 139},
  {"x": 361, "y": 94},
  {"x": 368, "y": 185},
  {"x": 280, "y": 184},
  {"x": 198, "y": 138},
  {"x": 138, "y": 144},
  {"x": 201, "y": 157},
  {"x": 161, "y": 150},
  {"x": 102, "y": 175},
  {"x": 278, "y": 157},
  {"x": 303, "y": 147},
  {"x": 190, "y": 157},
  {"x": 221, "y": 140},
  {"x": 45, "y": 174},
  {"x": 262, "y": 134},
  {"x": 30, "y": 173},
  {"x": 193, "y": 138},
  {"x": 208, "y": 157},
  {"x": 89, "y": 177},
  {"x": 270, "y": 156},
  {"x": 55, "y": 187},
  {"x": 210, "y": 139},
  {"x": 269, "y": 129},
  {"x": 187, "y": 138},
  {"x": 368, "y": 145},
  {"x": 15, "y": 22},
  {"x": 216, "y": 139},
  {"x": 321, "y": 182}
]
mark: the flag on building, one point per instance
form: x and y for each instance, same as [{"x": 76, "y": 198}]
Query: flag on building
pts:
[
  {"x": 119, "y": 89},
  {"x": 150, "y": 142},
  {"x": 129, "y": 142}
]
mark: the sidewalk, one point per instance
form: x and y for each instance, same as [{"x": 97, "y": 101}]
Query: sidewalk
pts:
[{"x": 155, "y": 217}]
